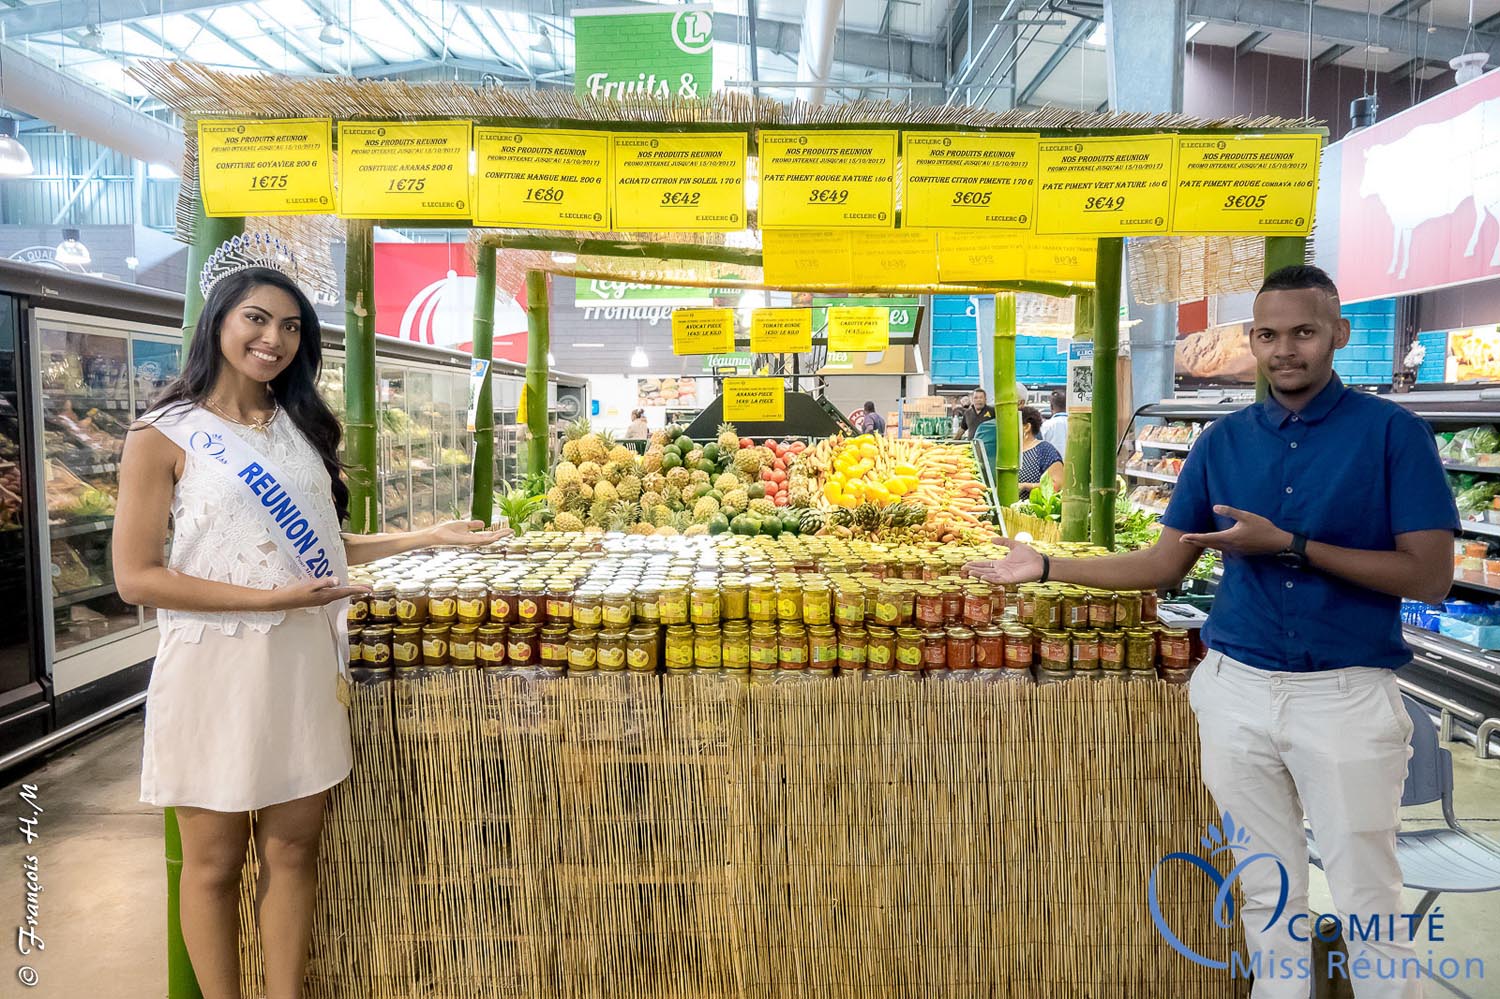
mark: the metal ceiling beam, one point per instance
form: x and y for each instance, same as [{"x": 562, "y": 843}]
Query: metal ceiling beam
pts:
[
  {"x": 1412, "y": 67},
  {"x": 321, "y": 65},
  {"x": 256, "y": 60},
  {"x": 1346, "y": 27},
  {"x": 1331, "y": 55},
  {"x": 1080, "y": 31},
  {"x": 510, "y": 43},
  {"x": 158, "y": 40},
  {"x": 1249, "y": 43},
  {"x": 69, "y": 15},
  {"x": 318, "y": 8},
  {"x": 452, "y": 62},
  {"x": 397, "y": 12}
]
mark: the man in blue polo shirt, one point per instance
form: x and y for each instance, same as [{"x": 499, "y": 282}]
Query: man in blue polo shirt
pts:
[{"x": 1329, "y": 506}]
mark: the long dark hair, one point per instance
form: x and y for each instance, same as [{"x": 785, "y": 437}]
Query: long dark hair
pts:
[{"x": 295, "y": 389}]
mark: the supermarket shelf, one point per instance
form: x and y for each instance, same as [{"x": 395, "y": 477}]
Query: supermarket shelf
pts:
[
  {"x": 1164, "y": 445},
  {"x": 1131, "y": 473},
  {"x": 1480, "y": 527},
  {"x": 1454, "y": 466},
  {"x": 1158, "y": 510},
  {"x": 1486, "y": 587},
  {"x": 87, "y": 527},
  {"x": 94, "y": 401},
  {"x": 79, "y": 596},
  {"x": 100, "y": 469}
]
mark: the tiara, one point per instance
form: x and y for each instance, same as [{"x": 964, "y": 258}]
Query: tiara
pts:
[{"x": 242, "y": 252}]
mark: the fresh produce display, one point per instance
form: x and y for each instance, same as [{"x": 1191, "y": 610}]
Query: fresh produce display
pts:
[{"x": 759, "y": 609}]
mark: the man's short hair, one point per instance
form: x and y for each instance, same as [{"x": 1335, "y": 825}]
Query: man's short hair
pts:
[
  {"x": 1059, "y": 400},
  {"x": 869, "y": 407},
  {"x": 1300, "y": 276}
]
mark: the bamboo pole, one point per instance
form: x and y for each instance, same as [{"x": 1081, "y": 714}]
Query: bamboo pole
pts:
[
  {"x": 359, "y": 378},
  {"x": 208, "y": 235},
  {"x": 1007, "y": 417},
  {"x": 1078, "y": 458},
  {"x": 1281, "y": 251},
  {"x": 538, "y": 341},
  {"x": 1106, "y": 352},
  {"x": 482, "y": 503}
]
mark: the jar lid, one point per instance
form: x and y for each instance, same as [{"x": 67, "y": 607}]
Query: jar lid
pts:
[
  {"x": 958, "y": 631},
  {"x": 410, "y": 589}
]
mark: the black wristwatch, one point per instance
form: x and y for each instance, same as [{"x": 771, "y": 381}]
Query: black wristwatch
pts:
[{"x": 1294, "y": 556}]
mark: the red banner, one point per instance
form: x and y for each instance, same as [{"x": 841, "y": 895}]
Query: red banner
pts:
[
  {"x": 1419, "y": 205},
  {"x": 425, "y": 292}
]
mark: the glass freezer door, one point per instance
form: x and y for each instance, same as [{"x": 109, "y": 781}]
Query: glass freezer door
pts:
[{"x": 19, "y": 666}]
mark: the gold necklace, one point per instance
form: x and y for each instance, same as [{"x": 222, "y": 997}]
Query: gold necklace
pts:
[{"x": 261, "y": 426}]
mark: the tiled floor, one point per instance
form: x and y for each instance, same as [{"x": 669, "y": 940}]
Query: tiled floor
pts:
[{"x": 103, "y": 904}]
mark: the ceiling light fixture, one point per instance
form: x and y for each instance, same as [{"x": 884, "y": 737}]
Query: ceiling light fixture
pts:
[
  {"x": 15, "y": 161},
  {"x": 331, "y": 35},
  {"x": 543, "y": 42},
  {"x": 71, "y": 250},
  {"x": 639, "y": 358},
  {"x": 587, "y": 343},
  {"x": 93, "y": 38}
]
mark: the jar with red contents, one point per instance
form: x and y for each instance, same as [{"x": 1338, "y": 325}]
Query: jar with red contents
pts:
[
  {"x": 929, "y": 610},
  {"x": 934, "y": 650},
  {"x": 961, "y": 648},
  {"x": 953, "y": 602},
  {"x": 1018, "y": 648},
  {"x": 989, "y": 648},
  {"x": 978, "y": 606}
]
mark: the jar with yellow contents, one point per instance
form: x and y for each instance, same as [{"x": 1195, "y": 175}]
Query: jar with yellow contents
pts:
[
  {"x": 411, "y": 604},
  {"x": 463, "y": 652},
  {"x": 817, "y": 603},
  {"x": 609, "y": 650},
  {"x": 703, "y": 605},
  {"x": 734, "y": 598},
  {"x": 762, "y": 599},
  {"x": 442, "y": 601},
  {"x": 648, "y": 604},
  {"x": 909, "y": 650},
  {"x": 406, "y": 646},
  {"x": 435, "y": 645},
  {"x": 674, "y": 604},
  {"x": 679, "y": 647},
  {"x": 383, "y": 602},
  {"x": 849, "y": 604},
  {"x": 616, "y": 607},
  {"x": 789, "y": 599},
  {"x": 708, "y": 647},
  {"x": 640, "y": 650},
  {"x": 582, "y": 652},
  {"x": 587, "y": 608}
]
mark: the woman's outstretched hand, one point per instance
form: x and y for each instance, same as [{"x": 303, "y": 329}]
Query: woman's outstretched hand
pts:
[
  {"x": 309, "y": 593},
  {"x": 463, "y": 532}
]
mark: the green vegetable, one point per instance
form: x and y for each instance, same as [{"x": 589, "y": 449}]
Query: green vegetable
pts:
[{"x": 518, "y": 507}]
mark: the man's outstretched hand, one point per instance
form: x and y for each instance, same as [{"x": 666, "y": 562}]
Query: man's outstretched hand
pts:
[
  {"x": 1022, "y": 565},
  {"x": 1251, "y": 534}
]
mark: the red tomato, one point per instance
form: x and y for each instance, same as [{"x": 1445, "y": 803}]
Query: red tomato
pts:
[
  {"x": 778, "y": 474},
  {"x": 746, "y": 442},
  {"x": 765, "y": 475}
]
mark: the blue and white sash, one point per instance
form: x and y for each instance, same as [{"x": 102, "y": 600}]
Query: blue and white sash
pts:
[{"x": 302, "y": 534}]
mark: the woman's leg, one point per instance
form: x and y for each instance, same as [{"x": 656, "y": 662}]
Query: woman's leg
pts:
[
  {"x": 286, "y": 839},
  {"x": 214, "y": 845}
]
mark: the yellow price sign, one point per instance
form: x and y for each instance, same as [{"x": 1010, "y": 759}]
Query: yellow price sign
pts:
[
  {"x": 754, "y": 400},
  {"x": 899, "y": 257},
  {"x": 266, "y": 167},
  {"x": 1117, "y": 186},
  {"x": 404, "y": 169},
  {"x": 859, "y": 328},
  {"x": 827, "y": 180},
  {"x": 1061, "y": 258},
  {"x": 670, "y": 182},
  {"x": 542, "y": 179},
  {"x": 806, "y": 256},
  {"x": 703, "y": 331},
  {"x": 781, "y": 331},
  {"x": 968, "y": 180},
  {"x": 981, "y": 255},
  {"x": 1246, "y": 184}
]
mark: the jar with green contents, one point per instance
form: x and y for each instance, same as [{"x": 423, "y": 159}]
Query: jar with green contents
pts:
[
  {"x": 1046, "y": 613},
  {"x": 406, "y": 646},
  {"x": 679, "y": 646},
  {"x": 789, "y": 599},
  {"x": 708, "y": 647},
  {"x": 462, "y": 650},
  {"x": 853, "y": 648},
  {"x": 822, "y": 647},
  {"x": 817, "y": 603},
  {"x": 1085, "y": 650},
  {"x": 704, "y": 604},
  {"x": 765, "y": 646},
  {"x": 1101, "y": 610},
  {"x": 411, "y": 604},
  {"x": 1127, "y": 609},
  {"x": 849, "y": 604},
  {"x": 435, "y": 645},
  {"x": 734, "y": 598},
  {"x": 646, "y": 600},
  {"x": 1026, "y": 603},
  {"x": 1140, "y": 649},
  {"x": 880, "y": 648},
  {"x": 674, "y": 604},
  {"x": 909, "y": 649},
  {"x": 473, "y": 602},
  {"x": 791, "y": 645},
  {"x": 1075, "y": 608},
  {"x": 490, "y": 645},
  {"x": 640, "y": 650},
  {"x": 616, "y": 606},
  {"x": 1112, "y": 651},
  {"x": 582, "y": 654},
  {"x": 609, "y": 650},
  {"x": 1056, "y": 650},
  {"x": 762, "y": 606},
  {"x": 736, "y": 652},
  {"x": 588, "y": 607}
]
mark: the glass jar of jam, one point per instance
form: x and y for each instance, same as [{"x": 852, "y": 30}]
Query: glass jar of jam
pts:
[
  {"x": 736, "y": 653},
  {"x": 1176, "y": 648},
  {"x": 1112, "y": 650},
  {"x": 411, "y": 604},
  {"x": 703, "y": 606},
  {"x": 762, "y": 605},
  {"x": 1140, "y": 650},
  {"x": 1026, "y": 603},
  {"x": 1085, "y": 650},
  {"x": 1056, "y": 650},
  {"x": 679, "y": 651},
  {"x": 521, "y": 646},
  {"x": 989, "y": 648},
  {"x": 489, "y": 645},
  {"x": 582, "y": 653},
  {"x": 888, "y": 604},
  {"x": 791, "y": 644},
  {"x": 588, "y": 607},
  {"x": 442, "y": 601},
  {"x": 1101, "y": 610},
  {"x": 531, "y": 602},
  {"x": 929, "y": 610},
  {"x": 504, "y": 601},
  {"x": 462, "y": 641},
  {"x": 1148, "y": 606},
  {"x": 473, "y": 603},
  {"x": 357, "y": 648},
  {"x": 359, "y": 609},
  {"x": 609, "y": 650},
  {"x": 435, "y": 645},
  {"x": 909, "y": 649},
  {"x": 383, "y": 602},
  {"x": 708, "y": 647},
  {"x": 822, "y": 646},
  {"x": 789, "y": 599},
  {"x": 640, "y": 650},
  {"x": 853, "y": 648},
  {"x": 999, "y": 597},
  {"x": 377, "y": 641},
  {"x": 553, "y": 644},
  {"x": 849, "y": 604},
  {"x": 648, "y": 603},
  {"x": 978, "y": 611},
  {"x": 559, "y": 602},
  {"x": 734, "y": 598},
  {"x": 961, "y": 647},
  {"x": 1075, "y": 608},
  {"x": 673, "y": 604},
  {"x": 953, "y": 602},
  {"x": 1127, "y": 609},
  {"x": 1046, "y": 610},
  {"x": 616, "y": 606},
  {"x": 1018, "y": 648},
  {"x": 935, "y": 649},
  {"x": 406, "y": 646},
  {"x": 880, "y": 648},
  {"x": 765, "y": 646},
  {"x": 817, "y": 603}
]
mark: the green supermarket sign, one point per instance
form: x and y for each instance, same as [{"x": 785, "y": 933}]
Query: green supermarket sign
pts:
[{"x": 624, "y": 51}]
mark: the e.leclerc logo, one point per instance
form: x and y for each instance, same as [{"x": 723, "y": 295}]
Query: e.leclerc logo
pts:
[{"x": 692, "y": 31}]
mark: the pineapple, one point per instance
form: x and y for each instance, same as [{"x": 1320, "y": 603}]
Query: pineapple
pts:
[
  {"x": 629, "y": 488},
  {"x": 665, "y": 530},
  {"x": 599, "y": 513},
  {"x": 567, "y": 522},
  {"x": 614, "y": 471},
  {"x": 736, "y": 500},
  {"x": 594, "y": 449},
  {"x": 654, "y": 482},
  {"x": 683, "y": 521},
  {"x": 586, "y": 492},
  {"x": 799, "y": 495},
  {"x": 651, "y": 460},
  {"x": 726, "y": 482},
  {"x": 642, "y": 529},
  {"x": 621, "y": 516},
  {"x": 671, "y": 495},
  {"x": 748, "y": 462},
  {"x": 621, "y": 454},
  {"x": 661, "y": 515},
  {"x": 728, "y": 439},
  {"x": 762, "y": 507},
  {"x": 557, "y": 497},
  {"x": 590, "y": 471},
  {"x": 705, "y": 509},
  {"x": 650, "y": 499},
  {"x": 566, "y": 472},
  {"x": 694, "y": 530},
  {"x": 698, "y": 477},
  {"x": 605, "y": 493},
  {"x": 678, "y": 477},
  {"x": 658, "y": 439},
  {"x": 573, "y": 435},
  {"x": 693, "y": 457}
]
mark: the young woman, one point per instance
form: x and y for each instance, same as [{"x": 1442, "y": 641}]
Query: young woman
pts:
[
  {"x": 1038, "y": 458},
  {"x": 638, "y": 430},
  {"x": 243, "y": 713}
]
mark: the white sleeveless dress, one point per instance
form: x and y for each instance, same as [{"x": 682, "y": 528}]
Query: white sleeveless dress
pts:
[{"x": 243, "y": 709}]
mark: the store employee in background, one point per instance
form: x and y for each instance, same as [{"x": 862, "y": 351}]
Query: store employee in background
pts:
[
  {"x": 1329, "y": 506},
  {"x": 975, "y": 413}
]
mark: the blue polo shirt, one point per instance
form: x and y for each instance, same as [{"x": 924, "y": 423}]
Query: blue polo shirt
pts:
[{"x": 1350, "y": 469}]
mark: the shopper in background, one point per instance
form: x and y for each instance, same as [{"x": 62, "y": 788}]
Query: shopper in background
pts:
[
  {"x": 243, "y": 713},
  {"x": 976, "y": 412},
  {"x": 1329, "y": 506},
  {"x": 1038, "y": 458},
  {"x": 870, "y": 421},
  {"x": 1055, "y": 427},
  {"x": 638, "y": 430}
]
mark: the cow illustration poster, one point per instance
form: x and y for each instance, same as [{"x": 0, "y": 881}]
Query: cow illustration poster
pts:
[
  {"x": 1419, "y": 203},
  {"x": 425, "y": 292}
]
